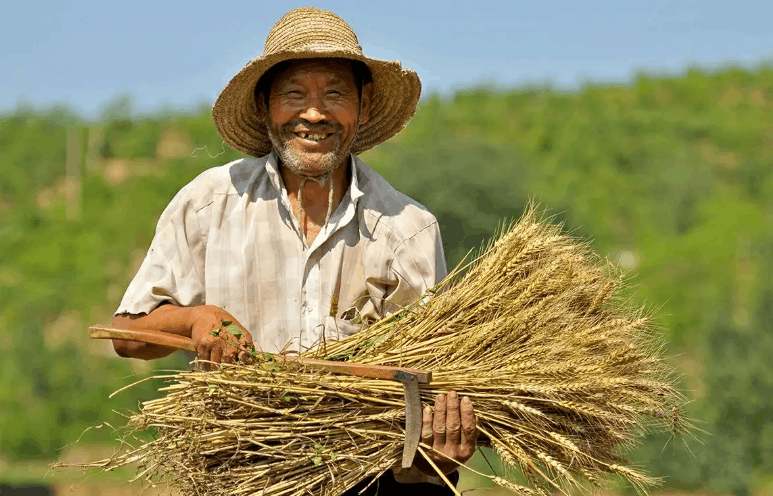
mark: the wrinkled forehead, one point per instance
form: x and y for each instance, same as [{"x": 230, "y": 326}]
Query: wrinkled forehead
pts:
[{"x": 332, "y": 68}]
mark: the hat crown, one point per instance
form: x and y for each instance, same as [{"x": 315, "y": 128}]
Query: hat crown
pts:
[{"x": 310, "y": 29}]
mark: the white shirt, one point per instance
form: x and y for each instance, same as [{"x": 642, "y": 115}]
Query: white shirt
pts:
[{"x": 229, "y": 238}]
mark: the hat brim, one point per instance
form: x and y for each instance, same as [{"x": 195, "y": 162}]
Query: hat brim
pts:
[{"x": 396, "y": 93}]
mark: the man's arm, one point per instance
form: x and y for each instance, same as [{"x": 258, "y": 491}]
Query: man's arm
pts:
[
  {"x": 196, "y": 322},
  {"x": 167, "y": 293},
  {"x": 167, "y": 318}
]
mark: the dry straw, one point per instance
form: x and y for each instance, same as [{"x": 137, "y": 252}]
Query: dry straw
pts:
[{"x": 563, "y": 375}]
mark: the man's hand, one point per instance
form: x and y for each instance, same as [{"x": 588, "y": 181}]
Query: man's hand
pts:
[
  {"x": 450, "y": 429},
  {"x": 218, "y": 336}
]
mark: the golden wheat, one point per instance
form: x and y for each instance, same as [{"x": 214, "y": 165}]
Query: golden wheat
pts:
[{"x": 563, "y": 375}]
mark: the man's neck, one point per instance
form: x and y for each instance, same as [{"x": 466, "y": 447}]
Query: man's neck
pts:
[{"x": 315, "y": 196}]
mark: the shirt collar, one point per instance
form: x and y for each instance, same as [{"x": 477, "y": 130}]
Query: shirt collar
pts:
[{"x": 272, "y": 168}]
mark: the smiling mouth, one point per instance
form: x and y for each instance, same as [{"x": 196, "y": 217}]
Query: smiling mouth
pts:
[{"x": 314, "y": 137}]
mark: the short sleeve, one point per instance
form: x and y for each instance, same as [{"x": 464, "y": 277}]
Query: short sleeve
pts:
[
  {"x": 419, "y": 264},
  {"x": 173, "y": 269}
]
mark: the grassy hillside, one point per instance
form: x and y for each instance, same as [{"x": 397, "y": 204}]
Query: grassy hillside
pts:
[{"x": 671, "y": 178}]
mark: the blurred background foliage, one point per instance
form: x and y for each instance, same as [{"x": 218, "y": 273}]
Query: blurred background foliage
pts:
[{"x": 668, "y": 177}]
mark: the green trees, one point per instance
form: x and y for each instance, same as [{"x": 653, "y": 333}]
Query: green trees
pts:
[{"x": 669, "y": 177}]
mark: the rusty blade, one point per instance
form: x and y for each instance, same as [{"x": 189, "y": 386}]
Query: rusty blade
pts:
[{"x": 413, "y": 417}]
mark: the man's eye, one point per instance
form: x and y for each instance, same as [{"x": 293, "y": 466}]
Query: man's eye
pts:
[
  {"x": 294, "y": 94},
  {"x": 334, "y": 93}
]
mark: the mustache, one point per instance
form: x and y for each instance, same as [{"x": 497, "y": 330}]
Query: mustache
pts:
[{"x": 313, "y": 127}]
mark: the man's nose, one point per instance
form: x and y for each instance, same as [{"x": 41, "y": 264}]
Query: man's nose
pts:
[
  {"x": 312, "y": 114},
  {"x": 314, "y": 110}
]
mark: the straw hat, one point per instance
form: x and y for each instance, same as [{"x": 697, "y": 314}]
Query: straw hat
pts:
[{"x": 305, "y": 33}]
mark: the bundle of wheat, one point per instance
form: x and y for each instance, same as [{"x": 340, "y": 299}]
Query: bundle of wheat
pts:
[{"x": 563, "y": 375}]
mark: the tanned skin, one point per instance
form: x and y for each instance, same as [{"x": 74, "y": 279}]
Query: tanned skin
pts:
[
  {"x": 195, "y": 322},
  {"x": 318, "y": 95}
]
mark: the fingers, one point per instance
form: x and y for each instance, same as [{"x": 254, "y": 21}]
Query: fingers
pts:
[
  {"x": 237, "y": 348},
  {"x": 221, "y": 350},
  {"x": 469, "y": 438},
  {"x": 246, "y": 348},
  {"x": 229, "y": 357},
  {"x": 219, "y": 337},
  {"x": 426, "y": 426},
  {"x": 439, "y": 423},
  {"x": 217, "y": 354},
  {"x": 247, "y": 339},
  {"x": 454, "y": 429},
  {"x": 450, "y": 428},
  {"x": 203, "y": 352},
  {"x": 217, "y": 351},
  {"x": 225, "y": 351},
  {"x": 244, "y": 357},
  {"x": 453, "y": 420},
  {"x": 230, "y": 350}
]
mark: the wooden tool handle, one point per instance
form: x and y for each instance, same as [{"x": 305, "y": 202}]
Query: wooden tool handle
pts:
[
  {"x": 143, "y": 336},
  {"x": 183, "y": 343},
  {"x": 360, "y": 370}
]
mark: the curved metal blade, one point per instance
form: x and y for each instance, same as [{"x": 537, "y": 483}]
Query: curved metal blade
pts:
[{"x": 412, "y": 417}]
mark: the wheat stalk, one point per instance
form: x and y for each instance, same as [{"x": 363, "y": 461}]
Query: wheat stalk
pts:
[{"x": 563, "y": 376}]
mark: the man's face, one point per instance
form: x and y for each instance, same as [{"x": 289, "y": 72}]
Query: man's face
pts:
[{"x": 313, "y": 114}]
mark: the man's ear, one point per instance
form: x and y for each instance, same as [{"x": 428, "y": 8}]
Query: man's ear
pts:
[{"x": 367, "y": 100}]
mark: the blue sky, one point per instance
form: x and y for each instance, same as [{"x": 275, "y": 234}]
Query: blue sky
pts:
[{"x": 181, "y": 53}]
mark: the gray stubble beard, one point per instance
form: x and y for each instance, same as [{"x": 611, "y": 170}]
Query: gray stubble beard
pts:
[
  {"x": 294, "y": 162},
  {"x": 290, "y": 159}
]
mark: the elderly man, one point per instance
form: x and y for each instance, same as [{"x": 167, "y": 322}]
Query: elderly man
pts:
[{"x": 302, "y": 242}]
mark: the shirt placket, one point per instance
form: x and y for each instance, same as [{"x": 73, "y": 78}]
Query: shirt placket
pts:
[
  {"x": 311, "y": 297},
  {"x": 313, "y": 286},
  {"x": 310, "y": 300}
]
